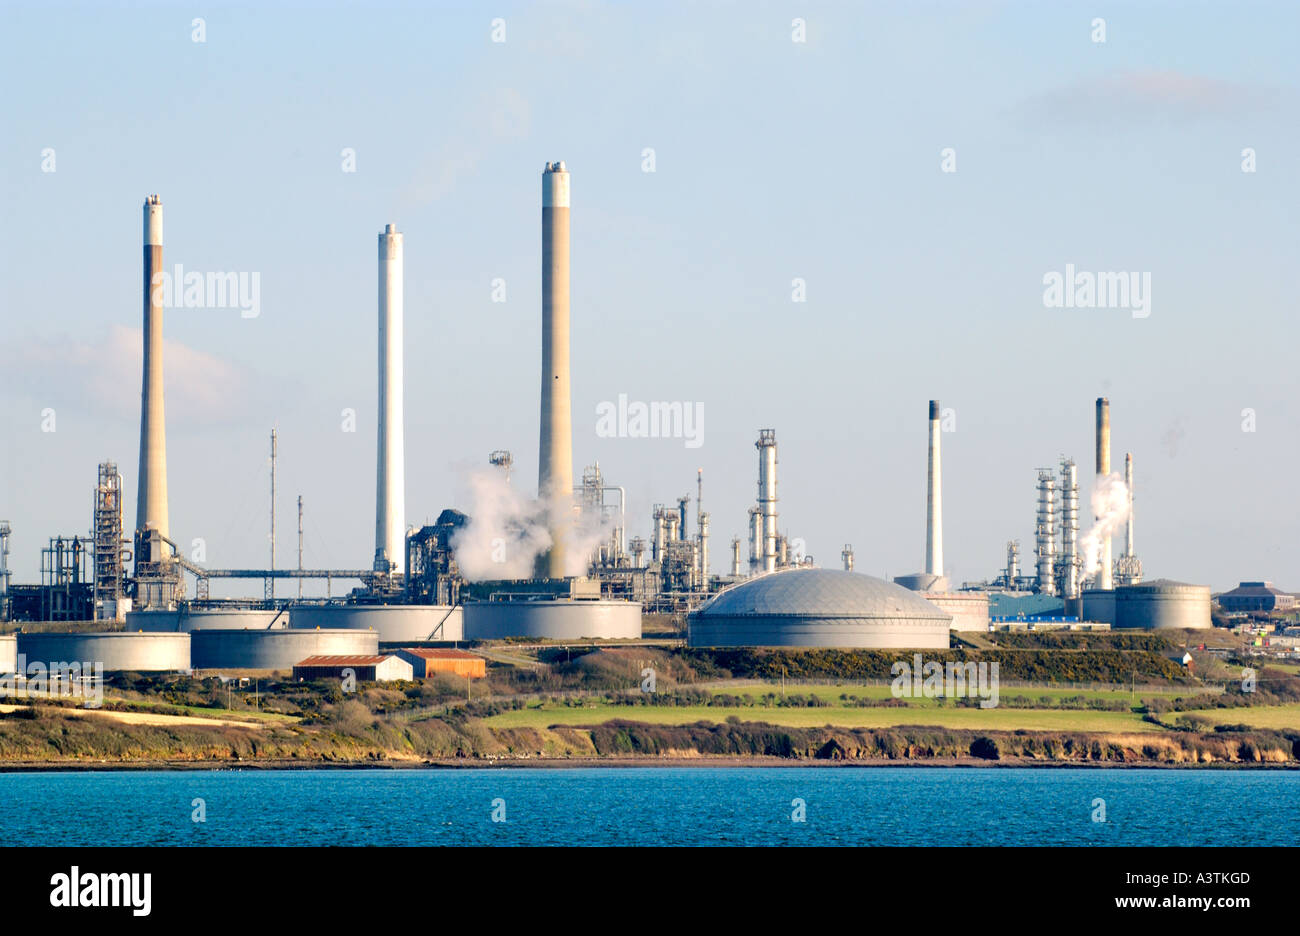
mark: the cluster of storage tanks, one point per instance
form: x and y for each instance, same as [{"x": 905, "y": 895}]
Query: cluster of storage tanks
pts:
[
  {"x": 214, "y": 638},
  {"x": 183, "y": 651}
]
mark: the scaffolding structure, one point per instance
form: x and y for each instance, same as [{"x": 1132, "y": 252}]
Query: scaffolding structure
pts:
[
  {"x": 1045, "y": 533},
  {"x": 111, "y": 549}
]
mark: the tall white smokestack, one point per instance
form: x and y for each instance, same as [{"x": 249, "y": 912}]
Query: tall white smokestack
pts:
[
  {"x": 555, "y": 462},
  {"x": 390, "y": 487},
  {"x": 766, "y": 446},
  {"x": 1104, "y": 579},
  {"x": 151, "y": 493},
  {"x": 934, "y": 500},
  {"x": 1128, "y": 483}
]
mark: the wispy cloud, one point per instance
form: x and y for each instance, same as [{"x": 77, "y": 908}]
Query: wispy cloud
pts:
[
  {"x": 103, "y": 375},
  {"x": 501, "y": 116},
  {"x": 1142, "y": 97}
]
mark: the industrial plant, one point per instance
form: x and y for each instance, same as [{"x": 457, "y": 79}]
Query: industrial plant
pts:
[{"x": 138, "y": 604}]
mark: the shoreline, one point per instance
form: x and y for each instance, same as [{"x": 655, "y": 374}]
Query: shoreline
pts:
[{"x": 571, "y": 763}]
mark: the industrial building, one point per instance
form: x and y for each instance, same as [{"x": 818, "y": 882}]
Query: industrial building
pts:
[
  {"x": 426, "y": 662},
  {"x": 412, "y": 590},
  {"x": 818, "y": 608},
  {"x": 117, "y": 651},
  {"x": 363, "y": 668},
  {"x": 1256, "y": 597}
]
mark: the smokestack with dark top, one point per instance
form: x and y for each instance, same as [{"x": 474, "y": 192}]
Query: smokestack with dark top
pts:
[
  {"x": 1104, "y": 579},
  {"x": 555, "y": 462},
  {"x": 934, "y": 500},
  {"x": 151, "y": 493}
]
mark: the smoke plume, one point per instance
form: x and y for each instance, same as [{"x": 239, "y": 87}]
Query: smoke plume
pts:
[
  {"x": 1110, "y": 508},
  {"x": 507, "y": 532}
]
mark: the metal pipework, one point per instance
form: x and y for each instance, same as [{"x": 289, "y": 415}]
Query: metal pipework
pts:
[
  {"x": 151, "y": 491},
  {"x": 1104, "y": 577},
  {"x": 934, "y": 500},
  {"x": 555, "y": 462},
  {"x": 390, "y": 475},
  {"x": 766, "y": 446}
]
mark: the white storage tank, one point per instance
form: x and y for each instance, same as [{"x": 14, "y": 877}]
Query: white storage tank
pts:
[
  {"x": 1162, "y": 604},
  {"x": 819, "y": 608},
  {"x": 275, "y": 649},
  {"x": 184, "y": 620},
  {"x": 393, "y": 623},
  {"x": 8, "y": 654},
  {"x": 118, "y": 652},
  {"x": 1098, "y": 605},
  {"x": 553, "y": 619}
]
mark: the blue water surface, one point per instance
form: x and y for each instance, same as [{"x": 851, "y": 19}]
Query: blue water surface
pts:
[{"x": 654, "y": 806}]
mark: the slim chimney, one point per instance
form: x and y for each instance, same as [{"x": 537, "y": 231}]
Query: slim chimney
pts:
[
  {"x": 1128, "y": 483},
  {"x": 151, "y": 493},
  {"x": 555, "y": 464},
  {"x": 1104, "y": 579},
  {"x": 766, "y": 446},
  {"x": 390, "y": 486},
  {"x": 934, "y": 501}
]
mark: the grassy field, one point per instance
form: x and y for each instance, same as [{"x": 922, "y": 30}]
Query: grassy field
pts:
[
  {"x": 1002, "y": 719},
  {"x": 1272, "y": 716},
  {"x": 832, "y": 693}
]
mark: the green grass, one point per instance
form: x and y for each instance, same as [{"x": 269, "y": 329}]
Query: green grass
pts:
[
  {"x": 1002, "y": 719},
  {"x": 832, "y": 693},
  {"x": 1263, "y": 716}
]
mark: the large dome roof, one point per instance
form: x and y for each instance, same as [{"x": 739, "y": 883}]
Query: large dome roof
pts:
[{"x": 820, "y": 593}]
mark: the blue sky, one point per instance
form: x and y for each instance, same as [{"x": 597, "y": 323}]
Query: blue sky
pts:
[{"x": 774, "y": 160}]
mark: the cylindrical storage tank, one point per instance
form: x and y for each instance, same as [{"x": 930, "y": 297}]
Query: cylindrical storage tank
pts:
[
  {"x": 1098, "y": 606},
  {"x": 1162, "y": 604},
  {"x": 276, "y": 649},
  {"x": 118, "y": 652},
  {"x": 819, "y": 608},
  {"x": 393, "y": 623},
  {"x": 8, "y": 654},
  {"x": 969, "y": 610},
  {"x": 184, "y": 620},
  {"x": 560, "y": 619}
]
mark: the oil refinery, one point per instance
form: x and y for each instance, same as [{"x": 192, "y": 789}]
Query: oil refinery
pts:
[{"x": 131, "y": 599}]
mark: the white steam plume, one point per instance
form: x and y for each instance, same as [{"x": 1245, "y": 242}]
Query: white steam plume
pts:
[
  {"x": 1110, "y": 508},
  {"x": 507, "y": 532}
]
